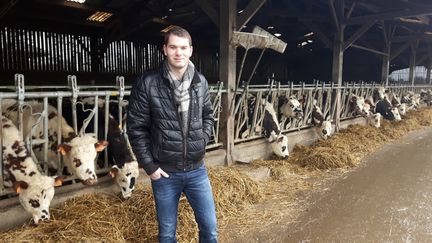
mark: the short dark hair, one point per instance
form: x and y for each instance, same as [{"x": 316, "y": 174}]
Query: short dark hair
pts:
[{"x": 178, "y": 31}]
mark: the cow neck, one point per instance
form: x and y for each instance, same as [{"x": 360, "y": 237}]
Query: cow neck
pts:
[{"x": 70, "y": 136}]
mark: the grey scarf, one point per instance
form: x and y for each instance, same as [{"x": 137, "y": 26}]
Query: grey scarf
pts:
[{"x": 181, "y": 91}]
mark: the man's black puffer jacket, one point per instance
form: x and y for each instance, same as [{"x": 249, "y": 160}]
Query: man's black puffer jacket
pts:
[{"x": 154, "y": 128}]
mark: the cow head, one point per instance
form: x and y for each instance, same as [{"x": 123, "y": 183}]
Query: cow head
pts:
[
  {"x": 374, "y": 120},
  {"x": 325, "y": 130},
  {"x": 125, "y": 176},
  {"x": 280, "y": 146},
  {"x": 402, "y": 109},
  {"x": 395, "y": 112},
  {"x": 37, "y": 196},
  {"x": 80, "y": 154},
  {"x": 378, "y": 93},
  {"x": 357, "y": 104},
  {"x": 292, "y": 108}
]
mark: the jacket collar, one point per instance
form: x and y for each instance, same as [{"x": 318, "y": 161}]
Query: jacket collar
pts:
[{"x": 195, "y": 80}]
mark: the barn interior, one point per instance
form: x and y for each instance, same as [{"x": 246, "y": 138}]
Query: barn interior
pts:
[{"x": 97, "y": 40}]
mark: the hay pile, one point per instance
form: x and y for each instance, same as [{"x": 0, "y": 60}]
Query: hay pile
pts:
[
  {"x": 107, "y": 218},
  {"x": 348, "y": 147}
]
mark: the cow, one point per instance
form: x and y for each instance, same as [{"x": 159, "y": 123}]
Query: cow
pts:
[
  {"x": 35, "y": 190},
  {"x": 358, "y": 106},
  {"x": 387, "y": 111},
  {"x": 378, "y": 93},
  {"x": 374, "y": 120},
  {"x": 426, "y": 97},
  {"x": 323, "y": 127},
  {"x": 79, "y": 152},
  {"x": 291, "y": 107},
  {"x": 124, "y": 165},
  {"x": 272, "y": 132}
]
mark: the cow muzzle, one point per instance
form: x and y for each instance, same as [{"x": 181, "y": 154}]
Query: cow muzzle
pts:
[{"x": 89, "y": 182}]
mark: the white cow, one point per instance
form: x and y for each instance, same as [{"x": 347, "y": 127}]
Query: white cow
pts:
[
  {"x": 79, "y": 151},
  {"x": 291, "y": 108},
  {"x": 374, "y": 120},
  {"x": 35, "y": 190}
]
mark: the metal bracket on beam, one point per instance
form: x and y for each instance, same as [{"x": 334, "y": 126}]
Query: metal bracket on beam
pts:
[
  {"x": 121, "y": 88},
  {"x": 72, "y": 82},
  {"x": 19, "y": 84}
]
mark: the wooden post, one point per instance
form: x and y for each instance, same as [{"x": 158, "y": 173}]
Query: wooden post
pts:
[
  {"x": 386, "y": 66},
  {"x": 428, "y": 74},
  {"x": 227, "y": 73},
  {"x": 413, "y": 61},
  {"x": 338, "y": 50}
]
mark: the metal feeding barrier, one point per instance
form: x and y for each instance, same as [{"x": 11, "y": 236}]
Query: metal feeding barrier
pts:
[
  {"x": 258, "y": 39},
  {"x": 73, "y": 93}
]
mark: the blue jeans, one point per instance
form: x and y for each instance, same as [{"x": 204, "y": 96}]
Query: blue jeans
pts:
[{"x": 196, "y": 186}]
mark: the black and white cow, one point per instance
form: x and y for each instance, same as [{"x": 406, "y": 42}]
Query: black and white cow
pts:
[
  {"x": 272, "y": 132},
  {"x": 124, "y": 167},
  {"x": 79, "y": 152},
  {"x": 323, "y": 127},
  {"x": 20, "y": 172},
  {"x": 387, "y": 111}
]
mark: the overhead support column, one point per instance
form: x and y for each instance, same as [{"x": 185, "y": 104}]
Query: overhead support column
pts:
[
  {"x": 386, "y": 66},
  {"x": 338, "y": 50},
  {"x": 388, "y": 32},
  {"x": 227, "y": 72},
  {"x": 414, "y": 45}
]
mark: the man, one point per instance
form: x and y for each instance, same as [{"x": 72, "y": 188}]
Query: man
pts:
[{"x": 169, "y": 125}]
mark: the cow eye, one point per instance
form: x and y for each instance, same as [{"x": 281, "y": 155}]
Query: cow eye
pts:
[{"x": 123, "y": 180}]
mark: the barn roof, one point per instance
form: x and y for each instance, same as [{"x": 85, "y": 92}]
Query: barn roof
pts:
[{"x": 368, "y": 23}]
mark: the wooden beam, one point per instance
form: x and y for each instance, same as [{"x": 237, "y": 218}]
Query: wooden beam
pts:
[
  {"x": 369, "y": 50},
  {"x": 389, "y": 15},
  {"x": 248, "y": 13},
  {"x": 385, "y": 68},
  {"x": 79, "y": 6},
  {"x": 414, "y": 46},
  {"x": 5, "y": 8},
  {"x": 333, "y": 14},
  {"x": 411, "y": 38},
  {"x": 321, "y": 36},
  {"x": 209, "y": 10},
  {"x": 348, "y": 15},
  {"x": 399, "y": 51},
  {"x": 358, "y": 34},
  {"x": 227, "y": 73}
]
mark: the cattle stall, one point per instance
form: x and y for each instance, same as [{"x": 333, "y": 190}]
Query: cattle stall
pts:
[
  {"x": 72, "y": 93},
  {"x": 247, "y": 109}
]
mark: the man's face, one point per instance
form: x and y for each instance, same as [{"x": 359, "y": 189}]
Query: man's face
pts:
[{"x": 178, "y": 51}]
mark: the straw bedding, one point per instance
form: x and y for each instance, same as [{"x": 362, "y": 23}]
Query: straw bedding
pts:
[
  {"x": 107, "y": 218},
  {"x": 346, "y": 148}
]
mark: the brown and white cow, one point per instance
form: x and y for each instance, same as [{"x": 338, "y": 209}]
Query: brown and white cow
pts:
[
  {"x": 322, "y": 126},
  {"x": 125, "y": 169},
  {"x": 79, "y": 151},
  {"x": 272, "y": 132},
  {"x": 358, "y": 106},
  {"x": 35, "y": 190}
]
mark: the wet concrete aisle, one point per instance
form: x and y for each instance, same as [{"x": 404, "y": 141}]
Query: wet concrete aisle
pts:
[{"x": 387, "y": 199}]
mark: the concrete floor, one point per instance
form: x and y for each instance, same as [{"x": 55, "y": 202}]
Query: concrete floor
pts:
[{"x": 387, "y": 199}]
